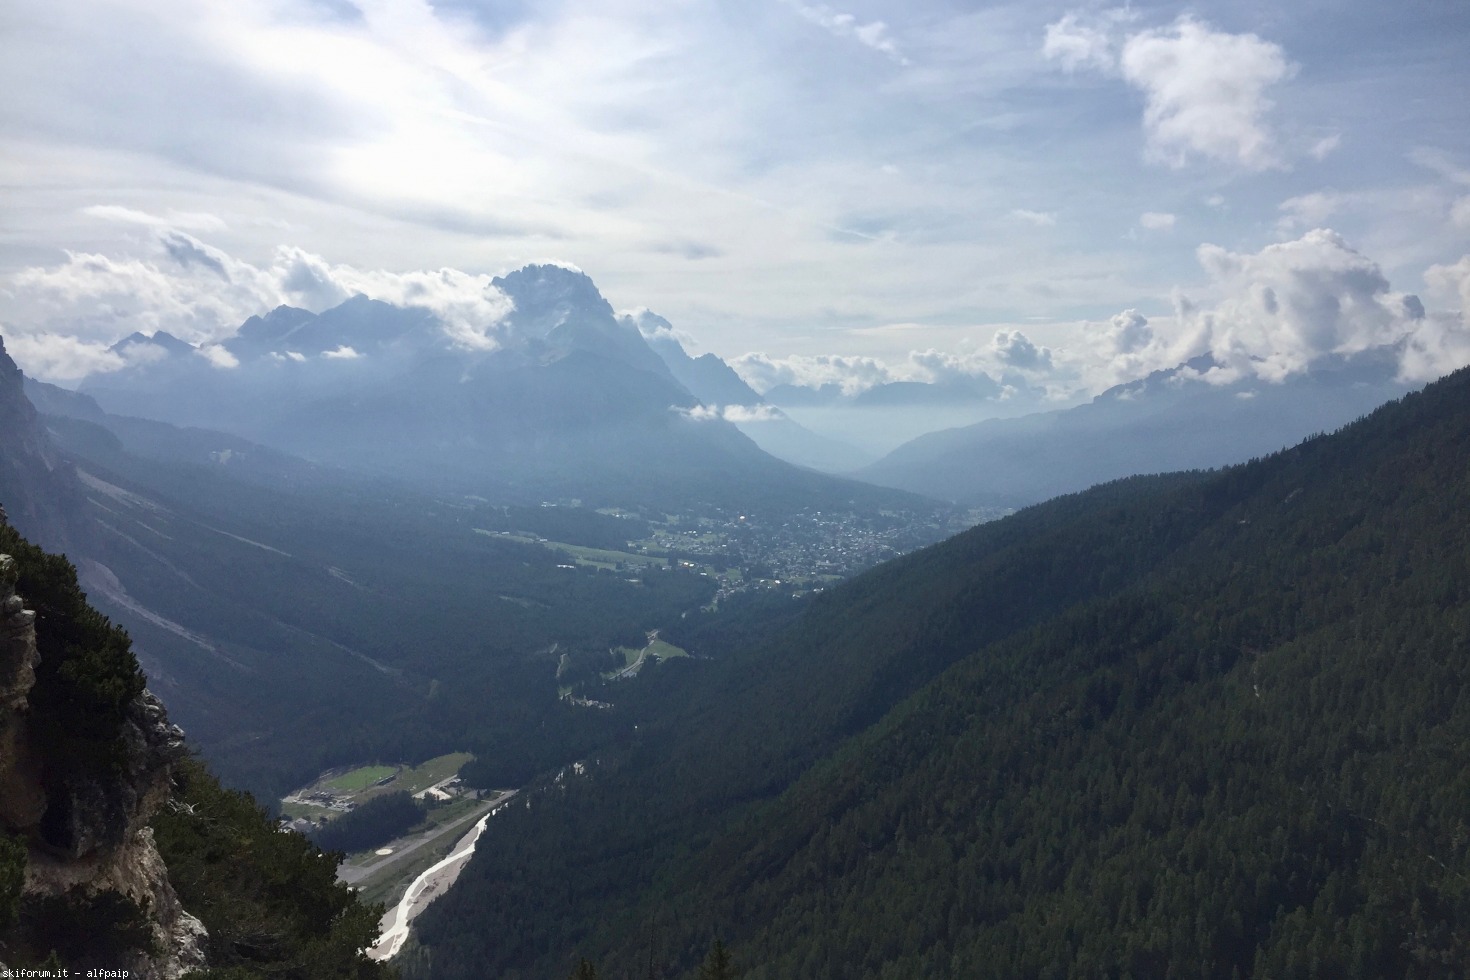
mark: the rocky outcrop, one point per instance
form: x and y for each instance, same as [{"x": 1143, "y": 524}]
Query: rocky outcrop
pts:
[
  {"x": 22, "y": 802},
  {"x": 87, "y": 830},
  {"x": 94, "y": 812}
]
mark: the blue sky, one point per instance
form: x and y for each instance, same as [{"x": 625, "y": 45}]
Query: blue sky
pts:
[{"x": 817, "y": 192}]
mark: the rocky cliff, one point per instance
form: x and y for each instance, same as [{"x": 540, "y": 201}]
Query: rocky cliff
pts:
[{"x": 94, "y": 883}]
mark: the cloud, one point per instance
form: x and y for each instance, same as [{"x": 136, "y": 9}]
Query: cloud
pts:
[
  {"x": 873, "y": 34},
  {"x": 1308, "y": 210},
  {"x": 1293, "y": 302},
  {"x": 186, "y": 220},
  {"x": 1460, "y": 212},
  {"x": 852, "y": 374},
  {"x": 218, "y": 357},
  {"x": 60, "y": 358},
  {"x": 1129, "y": 332},
  {"x": 752, "y": 413},
  {"x": 699, "y": 413},
  {"x": 1452, "y": 279},
  {"x": 1014, "y": 349},
  {"x": 1276, "y": 312},
  {"x": 1156, "y": 220},
  {"x": 1129, "y": 347},
  {"x": 1326, "y": 146},
  {"x": 342, "y": 353},
  {"x": 1085, "y": 39},
  {"x": 1041, "y": 219},
  {"x": 1204, "y": 90},
  {"x": 201, "y": 294}
]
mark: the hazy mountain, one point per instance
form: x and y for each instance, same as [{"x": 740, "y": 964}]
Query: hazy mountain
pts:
[
  {"x": 879, "y": 419},
  {"x": 38, "y": 489},
  {"x": 560, "y": 399},
  {"x": 1203, "y": 719},
  {"x": 1167, "y": 421},
  {"x": 717, "y": 385}
]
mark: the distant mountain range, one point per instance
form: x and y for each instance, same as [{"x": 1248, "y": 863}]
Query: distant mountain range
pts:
[
  {"x": 563, "y": 401},
  {"x": 1170, "y": 420}
]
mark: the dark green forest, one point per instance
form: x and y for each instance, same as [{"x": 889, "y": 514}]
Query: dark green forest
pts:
[
  {"x": 375, "y": 822},
  {"x": 1205, "y": 725}
]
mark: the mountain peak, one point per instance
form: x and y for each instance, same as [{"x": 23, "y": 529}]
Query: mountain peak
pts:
[
  {"x": 160, "y": 338},
  {"x": 540, "y": 290}
]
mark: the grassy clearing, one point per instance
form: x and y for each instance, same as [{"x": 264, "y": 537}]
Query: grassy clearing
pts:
[
  {"x": 359, "y": 779},
  {"x": 664, "y": 650},
  {"x": 594, "y": 557},
  {"x": 602, "y": 556},
  {"x": 658, "y": 649},
  {"x": 423, "y": 776}
]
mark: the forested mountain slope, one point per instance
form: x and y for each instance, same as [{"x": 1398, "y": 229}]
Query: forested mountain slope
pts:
[{"x": 1202, "y": 725}]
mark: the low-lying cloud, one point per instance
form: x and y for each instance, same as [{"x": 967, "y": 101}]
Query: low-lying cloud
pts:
[{"x": 61, "y": 318}]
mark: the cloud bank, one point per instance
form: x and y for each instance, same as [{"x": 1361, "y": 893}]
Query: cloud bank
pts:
[{"x": 62, "y": 318}]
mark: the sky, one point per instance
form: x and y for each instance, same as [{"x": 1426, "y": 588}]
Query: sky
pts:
[{"x": 854, "y": 192}]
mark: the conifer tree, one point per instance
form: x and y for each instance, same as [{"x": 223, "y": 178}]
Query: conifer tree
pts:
[{"x": 718, "y": 965}]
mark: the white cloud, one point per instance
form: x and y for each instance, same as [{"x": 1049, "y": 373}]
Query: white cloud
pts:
[
  {"x": 1308, "y": 210},
  {"x": 1443, "y": 341},
  {"x": 59, "y": 358},
  {"x": 1326, "y": 146},
  {"x": 1452, "y": 280},
  {"x": 1292, "y": 302},
  {"x": 1206, "y": 92},
  {"x": 751, "y": 413},
  {"x": 1460, "y": 212},
  {"x": 183, "y": 220},
  {"x": 873, "y": 34},
  {"x": 1275, "y": 312},
  {"x": 1156, "y": 220},
  {"x": 1014, "y": 349},
  {"x": 1085, "y": 39},
  {"x": 1128, "y": 347},
  {"x": 699, "y": 413},
  {"x": 218, "y": 357},
  {"x": 852, "y": 374},
  {"x": 342, "y": 353},
  {"x": 201, "y": 294},
  {"x": 1041, "y": 219}
]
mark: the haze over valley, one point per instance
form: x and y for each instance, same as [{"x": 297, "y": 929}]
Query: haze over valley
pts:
[{"x": 690, "y": 491}]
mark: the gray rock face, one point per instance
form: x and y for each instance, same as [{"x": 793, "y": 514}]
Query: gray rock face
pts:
[
  {"x": 91, "y": 831},
  {"x": 90, "y": 813}
]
